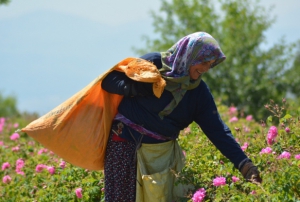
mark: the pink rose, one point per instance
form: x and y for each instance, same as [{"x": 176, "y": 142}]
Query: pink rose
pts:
[
  {"x": 5, "y": 165},
  {"x": 219, "y": 181},
  {"x": 187, "y": 130},
  {"x": 19, "y": 171},
  {"x": 249, "y": 118},
  {"x": 233, "y": 119},
  {"x": 62, "y": 164},
  {"x": 2, "y": 120},
  {"x": 266, "y": 150},
  {"x": 20, "y": 163},
  {"x": 31, "y": 143},
  {"x": 40, "y": 167},
  {"x": 14, "y": 136},
  {"x": 232, "y": 110},
  {"x": 284, "y": 155},
  {"x": 15, "y": 149},
  {"x": 272, "y": 134},
  {"x": 235, "y": 179},
  {"x": 245, "y": 146},
  {"x": 287, "y": 129},
  {"x": 42, "y": 151},
  {"x": 199, "y": 195},
  {"x": 6, "y": 179},
  {"x": 246, "y": 129},
  {"x": 78, "y": 192},
  {"x": 51, "y": 169}
]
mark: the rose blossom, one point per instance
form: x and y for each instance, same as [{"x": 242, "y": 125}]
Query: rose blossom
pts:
[
  {"x": 297, "y": 156},
  {"x": 245, "y": 146},
  {"x": 249, "y": 118},
  {"x": 199, "y": 195},
  {"x": 233, "y": 119},
  {"x": 187, "y": 130},
  {"x": 19, "y": 171},
  {"x": 235, "y": 179},
  {"x": 16, "y": 148},
  {"x": 5, "y": 165},
  {"x": 62, "y": 164},
  {"x": 6, "y": 179},
  {"x": 31, "y": 143},
  {"x": 284, "y": 155},
  {"x": 266, "y": 150},
  {"x": 40, "y": 167},
  {"x": 2, "y": 120},
  {"x": 287, "y": 129},
  {"x": 42, "y": 151},
  {"x": 78, "y": 192},
  {"x": 272, "y": 134},
  {"x": 219, "y": 181},
  {"x": 14, "y": 136},
  {"x": 20, "y": 163},
  {"x": 51, "y": 169},
  {"x": 232, "y": 110},
  {"x": 246, "y": 129}
]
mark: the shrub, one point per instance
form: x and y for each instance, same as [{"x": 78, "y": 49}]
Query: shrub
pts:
[{"x": 33, "y": 173}]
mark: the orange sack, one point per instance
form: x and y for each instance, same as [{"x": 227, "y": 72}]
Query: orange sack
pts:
[{"x": 78, "y": 129}]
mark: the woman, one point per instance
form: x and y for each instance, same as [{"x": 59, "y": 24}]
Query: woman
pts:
[{"x": 145, "y": 121}]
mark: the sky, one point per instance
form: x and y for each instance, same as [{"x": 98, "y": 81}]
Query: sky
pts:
[{"x": 49, "y": 50}]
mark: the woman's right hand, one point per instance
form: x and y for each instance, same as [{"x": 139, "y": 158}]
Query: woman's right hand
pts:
[{"x": 251, "y": 173}]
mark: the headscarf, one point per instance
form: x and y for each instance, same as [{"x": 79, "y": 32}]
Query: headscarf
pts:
[{"x": 190, "y": 50}]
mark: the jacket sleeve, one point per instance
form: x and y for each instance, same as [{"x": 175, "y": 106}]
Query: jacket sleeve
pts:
[
  {"x": 118, "y": 83},
  {"x": 208, "y": 118}
]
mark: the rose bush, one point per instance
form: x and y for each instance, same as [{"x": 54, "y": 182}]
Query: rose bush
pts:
[
  {"x": 33, "y": 173},
  {"x": 278, "y": 162},
  {"x": 30, "y": 172}
]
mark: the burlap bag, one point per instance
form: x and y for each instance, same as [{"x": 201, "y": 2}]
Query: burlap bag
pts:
[{"x": 77, "y": 130}]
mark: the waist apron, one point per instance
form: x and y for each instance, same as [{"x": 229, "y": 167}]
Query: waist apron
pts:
[{"x": 157, "y": 165}]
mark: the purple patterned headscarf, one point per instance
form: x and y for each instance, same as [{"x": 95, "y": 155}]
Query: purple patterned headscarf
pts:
[{"x": 191, "y": 50}]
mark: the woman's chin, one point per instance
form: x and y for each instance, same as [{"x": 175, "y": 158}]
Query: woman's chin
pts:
[{"x": 195, "y": 77}]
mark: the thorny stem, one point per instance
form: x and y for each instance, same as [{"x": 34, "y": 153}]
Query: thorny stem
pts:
[
  {"x": 275, "y": 109},
  {"x": 258, "y": 184}
]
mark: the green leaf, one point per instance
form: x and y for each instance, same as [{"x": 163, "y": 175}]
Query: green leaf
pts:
[
  {"x": 269, "y": 119},
  {"x": 285, "y": 118}
]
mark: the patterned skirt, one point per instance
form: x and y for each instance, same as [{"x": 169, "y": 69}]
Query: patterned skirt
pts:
[{"x": 120, "y": 170}]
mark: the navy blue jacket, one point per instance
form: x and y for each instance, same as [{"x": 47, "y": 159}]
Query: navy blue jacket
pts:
[{"x": 142, "y": 107}]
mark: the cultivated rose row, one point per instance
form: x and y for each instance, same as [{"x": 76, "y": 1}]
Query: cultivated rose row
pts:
[
  {"x": 11, "y": 169},
  {"x": 20, "y": 163}
]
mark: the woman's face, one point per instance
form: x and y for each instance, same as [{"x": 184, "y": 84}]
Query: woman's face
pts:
[{"x": 196, "y": 70}]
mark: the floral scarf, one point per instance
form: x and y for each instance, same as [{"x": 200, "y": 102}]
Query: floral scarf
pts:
[{"x": 191, "y": 50}]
